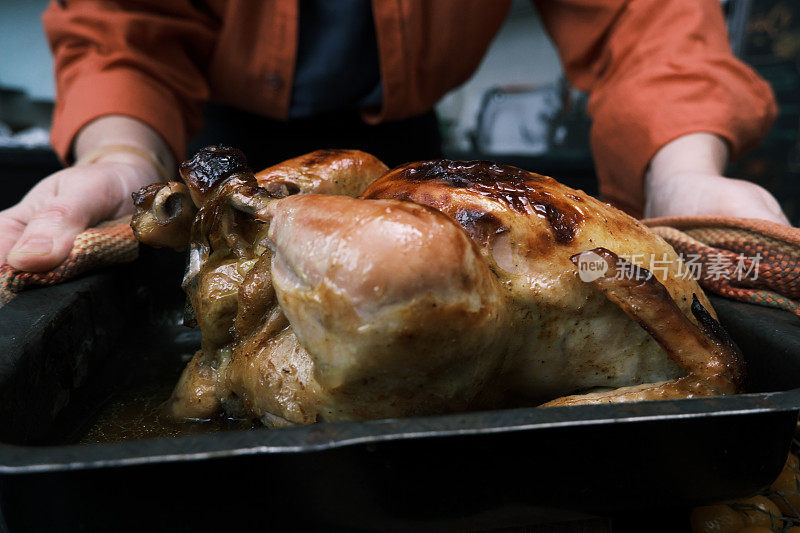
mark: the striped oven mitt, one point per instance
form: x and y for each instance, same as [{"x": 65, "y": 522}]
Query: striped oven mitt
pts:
[
  {"x": 745, "y": 259},
  {"x": 107, "y": 244}
]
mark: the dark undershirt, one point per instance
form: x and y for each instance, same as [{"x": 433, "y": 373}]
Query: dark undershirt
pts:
[{"x": 337, "y": 58}]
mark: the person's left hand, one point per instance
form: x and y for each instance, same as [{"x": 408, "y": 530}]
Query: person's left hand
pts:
[
  {"x": 685, "y": 179},
  {"x": 697, "y": 193}
]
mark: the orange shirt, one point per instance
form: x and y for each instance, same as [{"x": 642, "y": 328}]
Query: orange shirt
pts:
[{"x": 656, "y": 69}]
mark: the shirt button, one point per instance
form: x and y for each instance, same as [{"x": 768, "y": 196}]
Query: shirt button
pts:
[{"x": 273, "y": 81}]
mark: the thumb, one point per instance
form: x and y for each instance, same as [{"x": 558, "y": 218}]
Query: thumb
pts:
[{"x": 47, "y": 239}]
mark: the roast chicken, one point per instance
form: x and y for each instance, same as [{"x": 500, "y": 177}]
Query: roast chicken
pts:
[{"x": 330, "y": 288}]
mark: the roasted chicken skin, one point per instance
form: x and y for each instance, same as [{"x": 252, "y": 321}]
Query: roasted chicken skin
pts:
[{"x": 327, "y": 288}]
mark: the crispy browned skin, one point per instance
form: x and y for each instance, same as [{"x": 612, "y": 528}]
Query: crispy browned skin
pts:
[
  {"x": 209, "y": 168},
  {"x": 164, "y": 215},
  {"x": 445, "y": 286},
  {"x": 165, "y": 211},
  {"x": 340, "y": 172},
  {"x": 195, "y": 394}
]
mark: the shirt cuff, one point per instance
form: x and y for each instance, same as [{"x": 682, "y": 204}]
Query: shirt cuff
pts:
[
  {"x": 628, "y": 132},
  {"x": 117, "y": 92}
]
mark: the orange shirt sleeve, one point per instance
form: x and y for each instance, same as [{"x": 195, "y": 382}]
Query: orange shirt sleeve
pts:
[
  {"x": 655, "y": 70},
  {"x": 145, "y": 60}
]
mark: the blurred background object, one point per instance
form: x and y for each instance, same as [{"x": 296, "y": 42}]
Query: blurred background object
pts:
[
  {"x": 26, "y": 99},
  {"x": 766, "y": 34},
  {"x": 517, "y": 108}
]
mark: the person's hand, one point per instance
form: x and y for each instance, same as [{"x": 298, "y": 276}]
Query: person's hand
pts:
[
  {"x": 37, "y": 234},
  {"x": 696, "y": 193},
  {"x": 685, "y": 178}
]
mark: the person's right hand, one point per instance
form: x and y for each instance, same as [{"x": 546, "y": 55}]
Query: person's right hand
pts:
[{"x": 37, "y": 234}]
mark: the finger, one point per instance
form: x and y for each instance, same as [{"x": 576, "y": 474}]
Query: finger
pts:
[
  {"x": 780, "y": 218},
  {"x": 50, "y": 233},
  {"x": 774, "y": 208},
  {"x": 12, "y": 224}
]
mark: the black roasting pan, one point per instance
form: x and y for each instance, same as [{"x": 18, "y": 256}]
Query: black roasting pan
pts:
[{"x": 65, "y": 350}]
